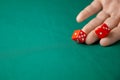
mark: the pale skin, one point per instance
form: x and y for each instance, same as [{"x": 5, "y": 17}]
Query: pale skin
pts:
[{"x": 108, "y": 11}]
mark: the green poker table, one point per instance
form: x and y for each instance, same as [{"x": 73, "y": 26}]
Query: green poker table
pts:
[{"x": 36, "y": 44}]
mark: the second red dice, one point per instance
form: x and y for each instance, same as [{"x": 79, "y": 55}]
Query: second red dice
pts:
[{"x": 103, "y": 31}]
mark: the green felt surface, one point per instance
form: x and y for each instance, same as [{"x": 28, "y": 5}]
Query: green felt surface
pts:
[{"x": 35, "y": 43}]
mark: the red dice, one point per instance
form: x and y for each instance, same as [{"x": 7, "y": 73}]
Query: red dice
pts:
[
  {"x": 103, "y": 31},
  {"x": 79, "y": 36}
]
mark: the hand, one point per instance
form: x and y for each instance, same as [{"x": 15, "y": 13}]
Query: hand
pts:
[{"x": 108, "y": 11}]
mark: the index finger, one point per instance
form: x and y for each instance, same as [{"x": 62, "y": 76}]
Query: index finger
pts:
[{"x": 93, "y": 8}]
